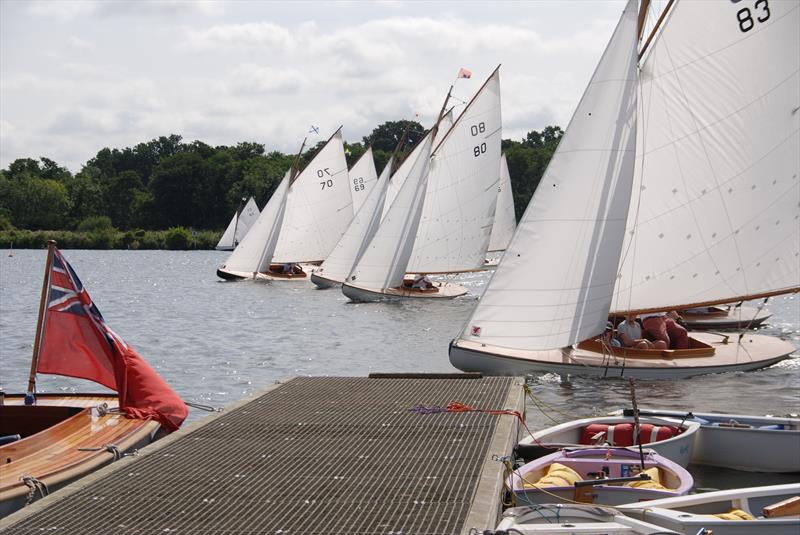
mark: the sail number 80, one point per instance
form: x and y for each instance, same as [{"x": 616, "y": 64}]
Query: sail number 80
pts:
[
  {"x": 476, "y": 129},
  {"x": 745, "y": 17}
]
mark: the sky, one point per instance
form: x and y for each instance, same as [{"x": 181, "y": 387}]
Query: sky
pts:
[{"x": 78, "y": 76}]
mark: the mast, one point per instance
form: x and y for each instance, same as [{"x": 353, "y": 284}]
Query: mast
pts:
[
  {"x": 655, "y": 28},
  {"x": 37, "y": 343},
  {"x": 236, "y": 222},
  {"x": 295, "y": 164},
  {"x": 643, "y": 16},
  {"x": 393, "y": 159}
]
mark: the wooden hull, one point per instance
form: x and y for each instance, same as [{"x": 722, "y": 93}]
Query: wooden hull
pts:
[
  {"x": 67, "y": 450},
  {"x": 677, "y": 449},
  {"x": 751, "y": 353},
  {"x": 725, "y": 318},
  {"x": 230, "y": 275},
  {"x": 689, "y": 514},
  {"x": 365, "y": 295},
  {"x": 746, "y": 443}
]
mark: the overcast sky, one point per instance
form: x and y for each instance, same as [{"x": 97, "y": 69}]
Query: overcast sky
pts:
[{"x": 79, "y": 76}]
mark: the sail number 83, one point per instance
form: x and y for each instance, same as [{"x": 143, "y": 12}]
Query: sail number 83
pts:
[
  {"x": 476, "y": 129},
  {"x": 745, "y": 16},
  {"x": 322, "y": 173}
]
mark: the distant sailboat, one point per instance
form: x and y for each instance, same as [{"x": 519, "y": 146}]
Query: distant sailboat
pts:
[
  {"x": 714, "y": 218},
  {"x": 363, "y": 177},
  {"x": 505, "y": 221},
  {"x": 240, "y": 223},
  {"x": 306, "y": 211}
]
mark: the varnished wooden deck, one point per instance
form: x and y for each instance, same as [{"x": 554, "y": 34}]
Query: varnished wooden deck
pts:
[{"x": 311, "y": 456}]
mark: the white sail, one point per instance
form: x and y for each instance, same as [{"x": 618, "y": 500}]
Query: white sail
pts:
[
  {"x": 555, "y": 283},
  {"x": 254, "y": 252},
  {"x": 461, "y": 197},
  {"x": 504, "y": 219},
  {"x": 715, "y": 217},
  {"x": 363, "y": 177},
  {"x": 239, "y": 225},
  {"x": 399, "y": 176},
  {"x": 340, "y": 262},
  {"x": 318, "y": 209},
  {"x": 383, "y": 263}
]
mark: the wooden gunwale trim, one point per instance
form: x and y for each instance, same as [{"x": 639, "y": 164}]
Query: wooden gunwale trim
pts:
[
  {"x": 700, "y": 349},
  {"x": 697, "y": 304}
]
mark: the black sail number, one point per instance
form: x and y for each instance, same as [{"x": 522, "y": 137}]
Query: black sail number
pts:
[
  {"x": 358, "y": 184},
  {"x": 745, "y": 15},
  {"x": 322, "y": 173}
]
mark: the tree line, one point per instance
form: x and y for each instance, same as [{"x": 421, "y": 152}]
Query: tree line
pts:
[{"x": 166, "y": 182}]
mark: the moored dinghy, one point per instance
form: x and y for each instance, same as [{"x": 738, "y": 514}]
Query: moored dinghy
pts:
[
  {"x": 605, "y": 476},
  {"x": 563, "y": 518},
  {"x": 240, "y": 223},
  {"x": 742, "y": 442},
  {"x": 671, "y": 438},
  {"x": 513, "y": 329},
  {"x": 755, "y": 510},
  {"x": 52, "y": 439}
]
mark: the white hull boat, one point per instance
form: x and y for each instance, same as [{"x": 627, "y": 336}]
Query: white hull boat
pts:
[
  {"x": 604, "y": 476},
  {"x": 751, "y": 353},
  {"x": 691, "y": 514},
  {"x": 670, "y": 438},
  {"x": 552, "y": 519},
  {"x": 324, "y": 282},
  {"x": 441, "y": 290},
  {"x": 741, "y": 442},
  {"x": 724, "y": 317}
]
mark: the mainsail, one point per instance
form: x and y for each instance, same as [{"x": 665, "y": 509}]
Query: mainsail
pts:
[
  {"x": 340, "y": 262},
  {"x": 319, "y": 207},
  {"x": 714, "y": 215},
  {"x": 254, "y": 252},
  {"x": 383, "y": 263},
  {"x": 505, "y": 221},
  {"x": 555, "y": 283},
  {"x": 363, "y": 177},
  {"x": 461, "y": 197},
  {"x": 240, "y": 223}
]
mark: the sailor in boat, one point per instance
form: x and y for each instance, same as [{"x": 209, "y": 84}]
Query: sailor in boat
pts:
[
  {"x": 664, "y": 326},
  {"x": 422, "y": 282},
  {"x": 609, "y": 339},
  {"x": 629, "y": 333}
]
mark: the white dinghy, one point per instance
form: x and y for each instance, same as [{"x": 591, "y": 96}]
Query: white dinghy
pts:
[
  {"x": 339, "y": 264},
  {"x": 741, "y": 442},
  {"x": 505, "y": 222},
  {"x": 240, "y": 223},
  {"x": 723, "y": 317},
  {"x": 541, "y": 315},
  {"x": 772, "y": 510},
  {"x": 363, "y": 178},
  {"x": 572, "y": 519},
  {"x": 671, "y": 438}
]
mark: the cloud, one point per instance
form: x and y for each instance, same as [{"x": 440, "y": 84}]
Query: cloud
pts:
[
  {"x": 252, "y": 34},
  {"x": 69, "y": 10},
  {"x": 249, "y": 78}
]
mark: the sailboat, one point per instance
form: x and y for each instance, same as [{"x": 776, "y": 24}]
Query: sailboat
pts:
[
  {"x": 49, "y": 440},
  {"x": 240, "y": 223},
  {"x": 307, "y": 211},
  {"x": 505, "y": 221},
  {"x": 566, "y": 266},
  {"x": 363, "y": 178}
]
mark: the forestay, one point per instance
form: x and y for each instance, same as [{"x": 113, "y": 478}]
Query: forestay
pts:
[
  {"x": 504, "y": 218},
  {"x": 239, "y": 225},
  {"x": 363, "y": 177},
  {"x": 358, "y": 235},
  {"x": 254, "y": 252},
  {"x": 715, "y": 217},
  {"x": 555, "y": 283},
  {"x": 384, "y": 261},
  {"x": 319, "y": 207},
  {"x": 461, "y": 197},
  {"x": 402, "y": 172}
]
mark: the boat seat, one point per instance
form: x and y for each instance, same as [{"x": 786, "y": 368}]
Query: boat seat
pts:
[
  {"x": 558, "y": 475},
  {"x": 735, "y": 514},
  {"x": 8, "y": 439},
  {"x": 622, "y": 434},
  {"x": 653, "y": 483}
]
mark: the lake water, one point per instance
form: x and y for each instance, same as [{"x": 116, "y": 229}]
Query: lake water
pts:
[{"x": 217, "y": 342}]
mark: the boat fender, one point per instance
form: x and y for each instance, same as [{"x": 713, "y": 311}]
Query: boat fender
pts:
[
  {"x": 557, "y": 475},
  {"x": 8, "y": 439},
  {"x": 654, "y": 483}
]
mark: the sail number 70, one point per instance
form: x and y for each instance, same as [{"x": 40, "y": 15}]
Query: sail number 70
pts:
[
  {"x": 476, "y": 129},
  {"x": 321, "y": 173},
  {"x": 745, "y": 18}
]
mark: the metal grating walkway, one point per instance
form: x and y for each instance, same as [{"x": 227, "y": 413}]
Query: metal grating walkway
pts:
[{"x": 311, "y": 456}]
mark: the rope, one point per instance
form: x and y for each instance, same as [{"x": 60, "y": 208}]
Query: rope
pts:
[
  {"x": 34, "y": 485},
  {"x": 202, "y": 407}
]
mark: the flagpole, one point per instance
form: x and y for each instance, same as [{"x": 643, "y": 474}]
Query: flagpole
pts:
[{"x": 37, "y": 342}]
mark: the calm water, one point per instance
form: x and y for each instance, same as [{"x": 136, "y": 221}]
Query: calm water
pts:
[{"x": 217, "y": 342}]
